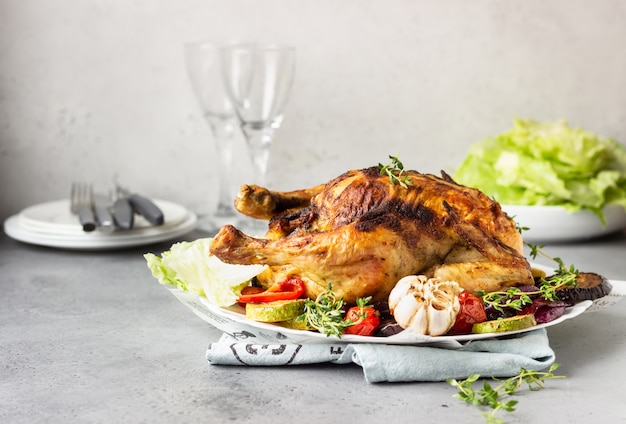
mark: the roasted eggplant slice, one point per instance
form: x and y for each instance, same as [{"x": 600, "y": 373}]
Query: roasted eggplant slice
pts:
[{"x": 590, "y": 286}]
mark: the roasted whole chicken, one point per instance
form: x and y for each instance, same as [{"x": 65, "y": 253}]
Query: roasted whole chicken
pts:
[{"x": 362, "y": 232}]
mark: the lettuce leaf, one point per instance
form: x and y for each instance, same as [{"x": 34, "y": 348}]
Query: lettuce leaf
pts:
[
  {"x": 190, "y": 267},
  {"x": 548, "y": 163}
]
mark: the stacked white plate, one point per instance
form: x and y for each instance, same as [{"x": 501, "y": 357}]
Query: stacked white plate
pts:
[{"x": 52, "y": 224}]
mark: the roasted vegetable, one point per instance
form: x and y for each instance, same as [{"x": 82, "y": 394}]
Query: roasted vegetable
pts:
[
  {"x": 590, "y": 286},
  {"x": 425, "y": 305},
  {"x": 518, "y": 322},
  {"x": 545, "y": 310},
  {"x": 472, "y": 311},
  {"x": 289, "y": 289},
  {"x": 276, "y": 311},
  {"x": 364, "y": 318}
]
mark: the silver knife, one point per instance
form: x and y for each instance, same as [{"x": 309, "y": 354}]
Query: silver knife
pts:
[{"x": 101, "y": 206}]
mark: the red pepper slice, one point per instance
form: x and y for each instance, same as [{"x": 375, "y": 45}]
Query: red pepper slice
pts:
[
  {"x": 250, "y": 290},
  {"x": 291, "y": 288}
]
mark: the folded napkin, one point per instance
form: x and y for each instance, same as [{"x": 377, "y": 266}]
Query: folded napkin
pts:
[{"x": 499, "y": 357}]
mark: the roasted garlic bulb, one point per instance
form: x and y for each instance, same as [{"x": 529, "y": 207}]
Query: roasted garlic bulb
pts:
[{"x": 425, "y": 305}]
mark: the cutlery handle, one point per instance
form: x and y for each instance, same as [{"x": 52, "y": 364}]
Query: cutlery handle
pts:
[
  {"x": 123, "y": 214},
  {"x": 146, "y": 208},
  {"x": 86, "y": 218},
  {"x": 104, "y": 218}
]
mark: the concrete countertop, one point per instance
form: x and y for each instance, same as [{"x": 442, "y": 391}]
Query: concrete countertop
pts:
[{"x": 91, "y": 337}]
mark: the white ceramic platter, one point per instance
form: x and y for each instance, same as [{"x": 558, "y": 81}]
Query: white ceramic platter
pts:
[{"x": 233, "y": 321}]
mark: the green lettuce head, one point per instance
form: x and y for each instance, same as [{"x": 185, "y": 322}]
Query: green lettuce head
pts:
[{"x": 548, "y": 164}]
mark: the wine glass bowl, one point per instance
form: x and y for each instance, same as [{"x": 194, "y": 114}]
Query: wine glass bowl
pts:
[
  {"x": 258, "y": 79},
  {"x": 203, "y": 61}
]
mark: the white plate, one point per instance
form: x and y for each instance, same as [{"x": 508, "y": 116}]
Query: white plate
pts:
[
  {"x": 233, "y": 321},
  {"x": 55, "y": 218},
  {"x": 51, "y": 224},
  {"x": 555, "y": 224}
]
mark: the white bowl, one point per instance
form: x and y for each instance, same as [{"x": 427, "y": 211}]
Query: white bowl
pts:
[{"x": 555, "y": 224}]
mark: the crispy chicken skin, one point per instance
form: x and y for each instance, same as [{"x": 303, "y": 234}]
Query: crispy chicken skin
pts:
[{"x": 361, "y": 233}]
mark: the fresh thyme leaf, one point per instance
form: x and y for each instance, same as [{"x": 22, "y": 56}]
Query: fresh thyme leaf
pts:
[
  {"x": 394, "y": 171},
  {"x": 325, "y": 313},
  {"x": 491, "y": 397},
  {"x": 564, "y": 276},
  {"x": 518, "y": 227},
  {"x": 514, "y": 298}
]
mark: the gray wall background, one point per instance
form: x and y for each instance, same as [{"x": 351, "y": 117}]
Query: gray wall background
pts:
[{"x": 92, "y": 89}]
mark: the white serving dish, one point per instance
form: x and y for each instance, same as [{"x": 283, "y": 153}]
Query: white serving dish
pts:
[{"x": 554, "y": 224}]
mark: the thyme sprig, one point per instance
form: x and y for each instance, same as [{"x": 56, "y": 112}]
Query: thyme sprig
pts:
[
  {"x": 513, "y": 298},
  {"x": 492, "y": 397},
  {"x": 394, "y": 170},
  {"x": 516, "y": 299},
  {"x": 563, "y": 276},
  {"x": 325, "y": 313}
]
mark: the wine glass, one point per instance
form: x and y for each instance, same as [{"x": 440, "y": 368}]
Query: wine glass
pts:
[
  {"x": 258, "y": 80},
  {"x": 203, "y": 62}
]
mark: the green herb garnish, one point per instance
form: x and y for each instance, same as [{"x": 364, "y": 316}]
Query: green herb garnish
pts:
[
  {"x": 564, "y": 276},
  {"x": 325, "y": 313},
  {"x": 394, "y": 170},
  {"x": 514, "y": 298},
  {"x": 492, "y": 397}
]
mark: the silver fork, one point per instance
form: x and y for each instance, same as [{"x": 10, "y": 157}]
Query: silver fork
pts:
[{"x": 81, "y": 204}]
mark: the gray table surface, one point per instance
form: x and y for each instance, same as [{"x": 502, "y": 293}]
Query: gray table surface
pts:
[{"x": 91, "y": 337}]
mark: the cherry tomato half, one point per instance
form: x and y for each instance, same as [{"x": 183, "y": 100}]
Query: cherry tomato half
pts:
[
  {"x": 365, "y": 320},
  {"x": 472, "y": 311}
]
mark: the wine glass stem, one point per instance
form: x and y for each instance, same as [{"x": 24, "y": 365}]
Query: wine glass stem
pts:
[
  {"x": 259, "y": 142},
  {"x": 224, "y": 131}
]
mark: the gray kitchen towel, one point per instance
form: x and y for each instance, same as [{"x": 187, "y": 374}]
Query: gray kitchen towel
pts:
[{"x": 496, "y": 357}]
